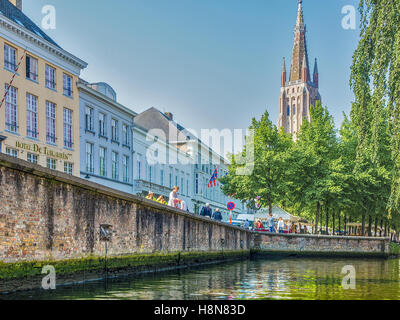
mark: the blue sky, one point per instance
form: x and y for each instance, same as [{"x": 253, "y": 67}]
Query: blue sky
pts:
[{"x": 212, "y": 63}]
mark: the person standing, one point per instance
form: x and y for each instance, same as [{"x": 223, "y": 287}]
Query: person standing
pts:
[
  {"x": 271, "y": 223},
  {"x": 280, "y": 225},
  {"x": 217, "y": 215},
  {"x": 206, "y": 211},
  {"x": 173, "y": 198},
  {"x": 246, "y": 224},
  {"x": 184, "y": 206}
]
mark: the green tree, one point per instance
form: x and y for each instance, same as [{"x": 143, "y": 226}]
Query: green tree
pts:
[{"x": 266, "y": 181}]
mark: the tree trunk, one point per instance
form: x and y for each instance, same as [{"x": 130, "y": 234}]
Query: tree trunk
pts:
[
  {"x": 321, "y": 218},
  {"x": 340, "y": 218},
  {"x": 370, "y": 226},
  {"x": 385, "y": 229},
  {"x": 333, "y": 222},
  {"x": 316, "y": 219},
  {"x": 327, "y": 220},
  {"x": 380, "y": 232},
  {"x": 363, "y": 224},
  {"x": 376, "y": 227}
]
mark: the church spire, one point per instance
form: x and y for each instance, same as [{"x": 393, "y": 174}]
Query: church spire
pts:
[
  {"x": 283, "y": 74},
  {"x": 299, "y": 48},
  {"x": 316, "y": 74},
  {"x": 300, "y": 19}
]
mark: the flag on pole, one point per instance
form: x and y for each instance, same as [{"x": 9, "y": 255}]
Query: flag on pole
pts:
[{"x": 213, "y": 180}]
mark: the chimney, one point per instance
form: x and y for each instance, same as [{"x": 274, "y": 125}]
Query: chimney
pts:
[
  {"x": 169, "y": 115},
  {"x": 17, "y": 3}
]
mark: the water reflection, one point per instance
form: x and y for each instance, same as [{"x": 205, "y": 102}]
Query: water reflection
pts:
[{"x": 312, "y": 279}]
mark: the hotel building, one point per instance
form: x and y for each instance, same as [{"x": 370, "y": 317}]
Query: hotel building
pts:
[{"x": 39, "y": 118}]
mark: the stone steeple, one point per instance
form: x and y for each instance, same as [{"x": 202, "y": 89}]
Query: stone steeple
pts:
[
  {"x": 283, "y": 74},
  {"x": 299, "y": 47},
  {"x": 300, "y": 91},
  {"x": 316, "y": 74}
]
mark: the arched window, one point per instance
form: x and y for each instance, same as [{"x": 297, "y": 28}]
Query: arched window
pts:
[{"x": 288, "y": 110}]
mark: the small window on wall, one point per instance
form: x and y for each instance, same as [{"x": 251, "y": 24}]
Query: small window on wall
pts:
[
  {"x": 32, "y": 158},
  {"x": 50, "y": 77},
  {"x": 294, "y": 110},
  {"x": 67, "y": 85},
  {"x": 68, "y": 168},
  {"x": 51, "y": 163},
  {"x": 12, "y": 152},
  {"x": 31, "y": 68},
  {"x": 288, "y": 111},
  {"x": 10, "y": 58}
]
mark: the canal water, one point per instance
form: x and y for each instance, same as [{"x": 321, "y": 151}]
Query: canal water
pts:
[{"x": 311, "y": 279}]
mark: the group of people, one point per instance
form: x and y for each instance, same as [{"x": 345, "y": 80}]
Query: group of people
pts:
[
  {"x": 275, "y": 227},
  {"x": 207, "y": 212},
  {"x": 173, "y": 201},
  {"x": 177, "y": 203}
]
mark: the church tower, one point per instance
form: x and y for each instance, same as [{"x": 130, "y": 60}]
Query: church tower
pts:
[{"x": 300, "y": 91}]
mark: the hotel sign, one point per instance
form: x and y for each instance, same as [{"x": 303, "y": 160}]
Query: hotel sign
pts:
[{"x": 42, "y": 150}]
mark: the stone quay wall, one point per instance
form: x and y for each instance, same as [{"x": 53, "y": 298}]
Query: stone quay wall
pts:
[
  {"x": 320, "y": 245},
  {"x": 48, "y": 215}
]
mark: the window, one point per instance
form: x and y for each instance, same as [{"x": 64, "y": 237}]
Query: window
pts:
[
  {"x": 150, "y": 173},
  {"x": 102, "y": 161},
  {"x": 31, "y": 116},
  {"x": 68, "y": 140},
  {"x": 294, "y": 110},
  {"x": 32, "y": 158},
  {"x": 139, "y": 169},
  {"x": 125, "y": 168},
  {"x": 114, "y": 130},
  {"x": 102, "y": 124},
  {"x": 89, "y": 157},
  {"x": 197, "y": 183},
  {"x": 10, "y": 58},
  {"x": 31, "y": 68},
  {"x": 68, "y": 168},
  {"x": 11, "y": 109},
  {"x": 89, "y": 119},
  {"x": 12, "y": 152},
  {"x": 170, "y": 180},
  {"x": 50, "y": 77},
  {"x": 125, "y": 134},
  {"x": 182, "y": 185},
  {"x": 51, "y": 163},
  {"x": 67, "y": 85},
  {"x": 187, "y": 187},
  {"x": 288, "y": 110},
  {"x": 114, "y": 159},
  {"x": 50, "y": 122},
  {"x": 162, "y": 177}
]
